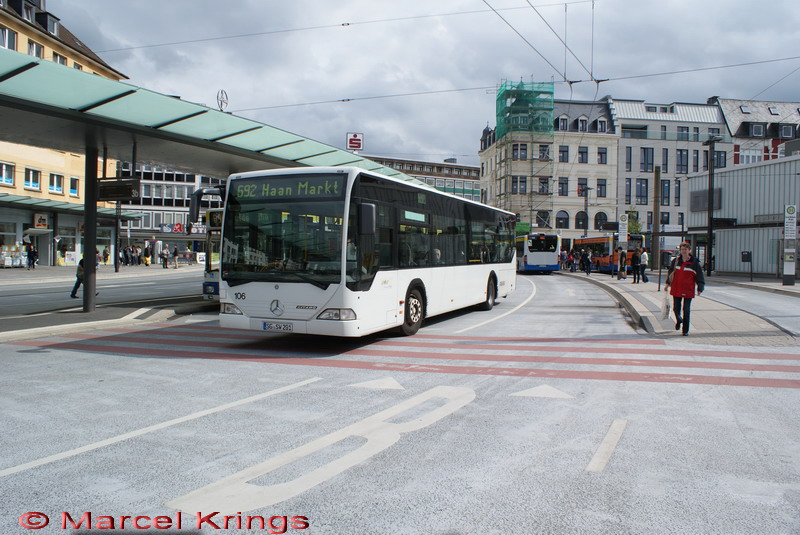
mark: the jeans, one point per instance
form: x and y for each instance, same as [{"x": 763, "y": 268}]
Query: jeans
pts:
[
  {"x": 78, "y": 283},
  {"x": 644, "y": 274},
  {"x": 687, "y": 311}
]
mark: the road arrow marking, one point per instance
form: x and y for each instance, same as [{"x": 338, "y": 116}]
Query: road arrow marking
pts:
[
  {"x": 543, "y": 391},
  {"x": 386, "y": 383}
]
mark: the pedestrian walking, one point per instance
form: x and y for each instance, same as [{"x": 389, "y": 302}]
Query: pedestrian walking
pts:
[
  {"x": 684, "y": 275},
  {"x": 78, "y": 281},
  {"x": 635, "y": 266},
  {"x": 33, "y": 256},
  {"x": 644, "y": 259},
  {"x": 586, "y": 259},
  {"x": 175, "y": 256}
]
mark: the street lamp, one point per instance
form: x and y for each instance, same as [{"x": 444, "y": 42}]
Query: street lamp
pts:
[{"x": 710, "y": 143}]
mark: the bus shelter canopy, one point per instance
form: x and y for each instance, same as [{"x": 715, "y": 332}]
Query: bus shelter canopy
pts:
[{"x": 49, "y": 105}]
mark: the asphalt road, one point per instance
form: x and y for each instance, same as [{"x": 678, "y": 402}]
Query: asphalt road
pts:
[{"x": 548, "y": 414}]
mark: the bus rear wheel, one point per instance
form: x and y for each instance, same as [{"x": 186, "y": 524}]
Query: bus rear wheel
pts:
[
  {"x": 491, "y": 295},
  {"x": 412, "y": 320}
]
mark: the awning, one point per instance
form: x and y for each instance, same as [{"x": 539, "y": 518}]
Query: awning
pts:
[
  {"x": 36, "y": 231},
  {"x": 34, "y": 203}
]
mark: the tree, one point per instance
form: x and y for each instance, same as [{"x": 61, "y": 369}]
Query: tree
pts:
[{"x": 634, "y": 225}]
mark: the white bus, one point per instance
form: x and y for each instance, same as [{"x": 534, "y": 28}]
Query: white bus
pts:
[
  {"x": 538, "y": 253},
  {"x": 345, "y": 252}
]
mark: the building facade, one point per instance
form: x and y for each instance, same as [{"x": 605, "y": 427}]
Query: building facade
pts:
[
  {"x": 448, "y": 176},
  {"x": 41, "y": 190}
]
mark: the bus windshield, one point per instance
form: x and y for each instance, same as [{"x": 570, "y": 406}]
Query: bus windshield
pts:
[
  {"x": 286, "y": 229},
  {"x": 543, "y": 244}
]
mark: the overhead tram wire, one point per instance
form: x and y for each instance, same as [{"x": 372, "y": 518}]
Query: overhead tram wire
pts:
[
  {"x": 563, "y": 75},
  {"x": 483, "y": 88},
  {"x": 327, "y": 26},
  {"x": 560, "y": 39}
]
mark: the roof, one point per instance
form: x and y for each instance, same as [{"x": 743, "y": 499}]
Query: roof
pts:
[
  {"x": 577, "y": 108},
  {"x": 759, "y": 112},
  {"x": 676, "y": 112},
  {"x": 50, "y": 105},
  {"x": 34, "y": 203}
]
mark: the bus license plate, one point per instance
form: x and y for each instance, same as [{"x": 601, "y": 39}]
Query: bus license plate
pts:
[{"x": 277, "y": 327}]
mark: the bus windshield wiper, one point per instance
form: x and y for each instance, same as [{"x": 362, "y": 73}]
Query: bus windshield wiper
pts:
[{"x": 312, "y": 280}]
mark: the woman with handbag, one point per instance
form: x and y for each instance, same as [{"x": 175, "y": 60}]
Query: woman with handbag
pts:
[{"x": 684, "y": 275}]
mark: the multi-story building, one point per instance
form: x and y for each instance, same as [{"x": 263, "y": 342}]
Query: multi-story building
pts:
[
  {"x": 448, "y": 176},
  {"x": 673, "y": 137},
  {"x": 41, "y": 190},
  {"x": 562, "y": 177}
]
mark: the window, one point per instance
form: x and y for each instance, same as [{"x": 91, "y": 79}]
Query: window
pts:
[
  {"x": 73, "y": 186},
  {"x": 677, "y": 192},
  {"x": 683, "y": 133},
  {"x": 544, "y": 184},
  {"x": 745, "y": 109},
  {"x": 663, "y": 131},
  {"x": 519, "y": 151},
  {"x": 713, "y": 131},
  {"x": 680, "y": 219},
  {"x": 602, "y": 155},
  {"x": 519, "y": 185},
  {"x": 664, "y": 160},
  {"x": 583, "y": 154},
  {"x": 52, "y": 25},
  {"x": 582, "y": 183},
  {"x": 27, "y": 13},
  {"x": 756, "y": 130},
  {"x": 602, "y": 126},
  {"x": 646, "y": 162},
  {"x": 720, "y": 159},
  {"x": 665, "y": 193},
  {"x": 583, "y": 125},
  {"x": 35, "y": 49},
  {"x": 695, "y": 134},
  {"x": 651, "y": 109},
  {"x": 628, "y": 158},
  {"x": 581, "y": 220},
  {"x": 695, "y": 160},
  {"x": 543, "y": 218},
  {"x": 600, "y": 219},
  {"x": 32, "y": 178},
  {"x": 544, "y": 152},
  {"x": 682, "y": 161},
  {"x": 562, "y": 219},
  {"x": 641, "y": 191},
  {"x": 627, "y": 191},
  {"x": 787, "y": 132},
  {"x": 649, "y": 220},
  {"x": 58, "y": 58},
  {"x": 7, "y": 174},
  {"x": 705, "y": 160},
  {"x": 773, "y": 110},
  {"x": 563, "y": 153},
  {"x": 563, "y": 124},
  {"x": 56, "y": 183},
  {"x": 563, "y": 186},
  {"x": 601, "y": 187},
  {"x": 8, "y": 38},
  {"x": 665, "y": 218}
]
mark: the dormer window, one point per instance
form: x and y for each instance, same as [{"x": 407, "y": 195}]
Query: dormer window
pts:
[
  {"x": 563, "y": 124},
  {"x": 787, "y": 131},
  {"x": 602, "y": 125},
  {"x": 756, "y": 130},
  {"x": 651, "y": 109},
  {"x": 583, "y": 124},
  {"x": 28, "y": 13}
]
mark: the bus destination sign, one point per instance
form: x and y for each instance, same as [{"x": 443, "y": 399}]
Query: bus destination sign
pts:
[{"x": 290, "y": 188}]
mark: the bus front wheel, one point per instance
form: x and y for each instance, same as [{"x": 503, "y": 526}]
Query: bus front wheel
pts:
[
  {"x": 413, "y": 315},
  {"x": 491, "y": 295}
]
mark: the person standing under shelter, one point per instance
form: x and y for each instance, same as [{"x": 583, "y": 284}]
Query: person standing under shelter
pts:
[
  {"x": 684, "y": 275},
  {"x": 644, "y": 259},
  {"x": 635, "y": 266}
]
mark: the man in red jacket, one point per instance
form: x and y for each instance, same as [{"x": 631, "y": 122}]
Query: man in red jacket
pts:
[{"x": 684, "y": 274}]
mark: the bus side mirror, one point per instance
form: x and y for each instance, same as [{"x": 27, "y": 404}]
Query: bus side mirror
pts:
[{"x": 366, "y": 219}]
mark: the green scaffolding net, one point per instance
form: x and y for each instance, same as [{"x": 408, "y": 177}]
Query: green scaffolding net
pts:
[{"x": 525, "y": 107}]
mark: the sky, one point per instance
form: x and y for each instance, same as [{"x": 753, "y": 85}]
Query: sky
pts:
[{"x": 418, "y": 78}]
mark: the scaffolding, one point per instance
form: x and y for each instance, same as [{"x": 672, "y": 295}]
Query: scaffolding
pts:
[{"x": 525, "y": 116}]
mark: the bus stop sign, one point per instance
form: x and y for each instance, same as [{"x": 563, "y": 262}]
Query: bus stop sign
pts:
[{"x": 123, "y": 189}]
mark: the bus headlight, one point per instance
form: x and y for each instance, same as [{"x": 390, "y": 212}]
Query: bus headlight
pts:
[
  {"x": 230, "y": 308},
  {"x": 340, "y": 314}
]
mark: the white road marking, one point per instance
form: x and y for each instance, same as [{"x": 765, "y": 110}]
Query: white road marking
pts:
[
  {"x": 150, "y": 429},
  {"x": 501, "y": 316},
  {"x": 606, "y": 449},
  {"x": 543, "y": 391},
  {"x": 233, "y": 494},
  {"x": 387, "y": 383}
]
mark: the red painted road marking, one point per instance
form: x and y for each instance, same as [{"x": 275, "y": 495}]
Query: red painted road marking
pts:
[{"x": 427, "y": 368}]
